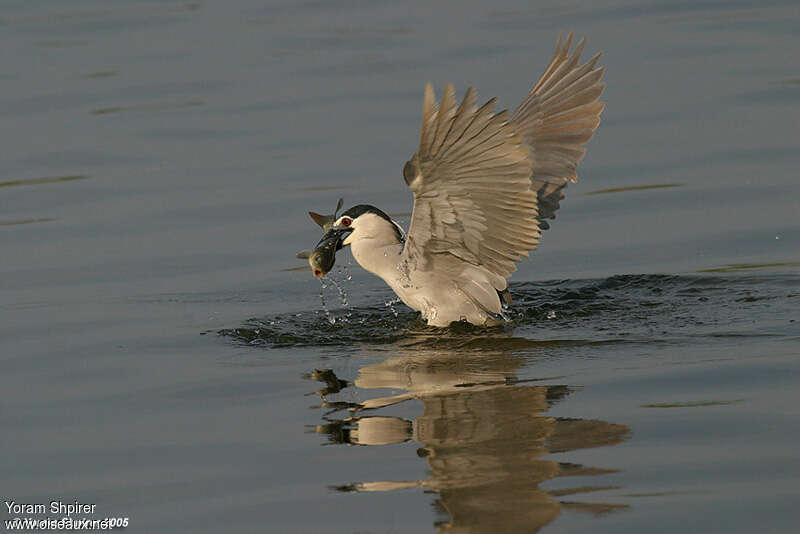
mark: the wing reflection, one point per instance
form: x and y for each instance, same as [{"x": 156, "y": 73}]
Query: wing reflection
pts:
[{"x": 483, "y": 433}]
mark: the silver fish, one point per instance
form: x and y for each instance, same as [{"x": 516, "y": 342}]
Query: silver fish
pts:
[{"x": 323, "y": 256}]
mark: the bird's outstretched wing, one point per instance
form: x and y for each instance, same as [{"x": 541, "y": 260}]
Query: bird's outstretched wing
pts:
[
  {"x": 557, "y": 119},
  {"x": 473, "y": 202},
  {"x": 483, "y": 181}
]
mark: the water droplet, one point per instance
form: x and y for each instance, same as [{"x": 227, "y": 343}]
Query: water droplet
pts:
[
  {"x": 390, "y": 304},
  {"x": 551, "y": 314},
  {"x": 342, "y": 294},
  {"x": 328, "y": 315}
]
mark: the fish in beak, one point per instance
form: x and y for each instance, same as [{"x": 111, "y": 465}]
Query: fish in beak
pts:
[{"x": 323, "y": 256}]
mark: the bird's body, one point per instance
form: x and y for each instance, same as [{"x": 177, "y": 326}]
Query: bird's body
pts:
[
  {"x": 434, "y": 292},
  {"x": 484, "y": 186}
]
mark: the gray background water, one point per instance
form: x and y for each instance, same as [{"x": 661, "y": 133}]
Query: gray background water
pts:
[{"x": 158, "y": 160}]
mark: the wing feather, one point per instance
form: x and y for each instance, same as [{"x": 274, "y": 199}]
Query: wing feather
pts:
[
  {"x": 470, "y": 168},
  {"x": 484, "y": 181},
  {"x": 557, "y": 119}
]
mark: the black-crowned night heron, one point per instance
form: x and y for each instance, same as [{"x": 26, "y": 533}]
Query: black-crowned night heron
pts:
[{"x": 484, "y": 185}]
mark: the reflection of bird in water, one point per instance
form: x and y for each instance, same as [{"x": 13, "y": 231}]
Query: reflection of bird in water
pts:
[
  {"x": 483, "y": 434},
  {"x": 484, "y": 186}
]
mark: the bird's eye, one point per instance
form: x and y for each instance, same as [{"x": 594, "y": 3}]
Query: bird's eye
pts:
[{"x": 346, "y": 221}]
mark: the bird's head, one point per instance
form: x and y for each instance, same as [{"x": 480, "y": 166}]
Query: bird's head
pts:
[{"x": 356, "y": 225}]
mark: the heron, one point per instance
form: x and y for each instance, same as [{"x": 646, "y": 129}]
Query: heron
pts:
[{"x": 485, "y": 184}]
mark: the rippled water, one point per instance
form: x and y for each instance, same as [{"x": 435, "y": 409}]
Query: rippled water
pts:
[
  {"x": 165, "y": 356},
  {"x": 625, "y": 309},
  {"x": 683, "y": 361}
]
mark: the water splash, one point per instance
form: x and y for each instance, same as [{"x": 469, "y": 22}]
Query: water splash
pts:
[
  {"x": 342, "y": 293},
  {"x": 506, "y": 313},
  {"x": 619, "y": 309},
  {"x": 328, "y": 315},
  {"x": 331, "y": 281},
  {"x": 390, "y": 304}
]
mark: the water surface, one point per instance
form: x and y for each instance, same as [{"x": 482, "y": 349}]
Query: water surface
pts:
[{"x": 164, "y": 357}]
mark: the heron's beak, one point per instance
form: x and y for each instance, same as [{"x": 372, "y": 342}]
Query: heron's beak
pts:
[{"x": 323, "y": 256}]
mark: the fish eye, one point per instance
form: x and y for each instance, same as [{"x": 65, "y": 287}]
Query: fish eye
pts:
[{"x": 347, "y": 221}]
